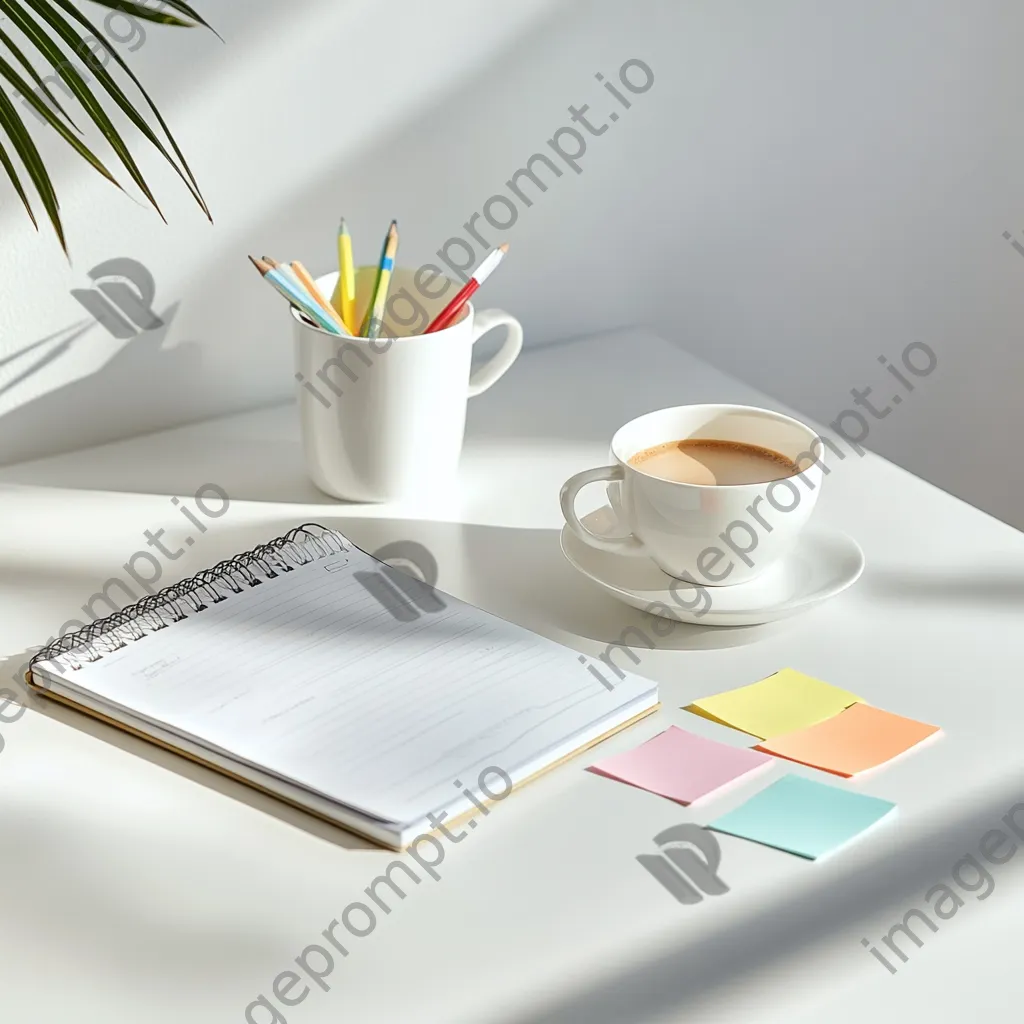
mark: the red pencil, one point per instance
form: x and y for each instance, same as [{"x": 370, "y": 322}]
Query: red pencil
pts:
[{"x": 484, "y": 271}]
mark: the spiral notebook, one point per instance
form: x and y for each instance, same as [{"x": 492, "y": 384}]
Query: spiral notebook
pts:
[{"x": 282, "y": 669}]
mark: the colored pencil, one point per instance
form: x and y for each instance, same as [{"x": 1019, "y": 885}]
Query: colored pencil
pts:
[
  {"x": 285, "y": 272},
  {"x": 306, "y": 279},
  {"x": 447, "y": 315},
  {"x": 344, "y": 297},
  {"x": 374, "y": 318},
  {"x": 302, "y": 281},
  {"x": 297, "y": 297},
  {"x": 288, "y": 273}
]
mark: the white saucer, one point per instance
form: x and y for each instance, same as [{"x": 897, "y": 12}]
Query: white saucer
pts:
[{"x": 823, "y": 564}]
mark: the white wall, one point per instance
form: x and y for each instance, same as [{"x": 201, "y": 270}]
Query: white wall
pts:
[
  {"x": 807, "y": 185},
  {"x": 270, "y": 120}
]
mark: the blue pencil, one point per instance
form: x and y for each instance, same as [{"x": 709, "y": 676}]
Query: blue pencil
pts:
[{"x": 298, "y": 298}]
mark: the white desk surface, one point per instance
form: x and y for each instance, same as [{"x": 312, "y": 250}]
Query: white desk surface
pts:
[{"x": 136, "y": 887}]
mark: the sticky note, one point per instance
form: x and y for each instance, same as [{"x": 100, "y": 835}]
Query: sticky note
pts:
[
  {"x": 810, "y": 819},
  {"x": 784, "y": 702},
  {"x": 681, "y": 765},
  {"x": 859, "y": 738}
]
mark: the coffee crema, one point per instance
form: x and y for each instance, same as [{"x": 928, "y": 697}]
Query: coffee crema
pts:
[{"x": 707, "y": 461}]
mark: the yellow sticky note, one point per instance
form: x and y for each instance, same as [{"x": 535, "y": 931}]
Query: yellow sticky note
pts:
[{"x": 784, "y": 702}]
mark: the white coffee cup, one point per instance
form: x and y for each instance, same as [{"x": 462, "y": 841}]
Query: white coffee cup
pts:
[
  {"x": 385, "y": 419},
  {"x": 712, "y": 534}
]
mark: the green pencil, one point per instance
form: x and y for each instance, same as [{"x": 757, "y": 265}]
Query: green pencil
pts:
[{"x": 374, "y": 319}]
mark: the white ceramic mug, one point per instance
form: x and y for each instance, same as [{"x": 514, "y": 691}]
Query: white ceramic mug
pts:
[
  {"x": 385, "y": 419},
  {"x": 713, "y": 534}
]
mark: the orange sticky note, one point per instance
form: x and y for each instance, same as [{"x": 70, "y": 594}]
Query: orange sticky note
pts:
[{"x": 859, "y": 738}]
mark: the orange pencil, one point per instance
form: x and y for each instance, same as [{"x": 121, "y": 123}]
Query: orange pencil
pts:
[
  {"x": 304, "y": 276},
  {"x": 285, "y": 282}
]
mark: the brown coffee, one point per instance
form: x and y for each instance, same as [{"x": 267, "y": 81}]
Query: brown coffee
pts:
[{"x": 706, "y": 461}]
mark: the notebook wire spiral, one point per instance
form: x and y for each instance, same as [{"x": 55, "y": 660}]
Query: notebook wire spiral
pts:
[{"x": 193, "y": 595}]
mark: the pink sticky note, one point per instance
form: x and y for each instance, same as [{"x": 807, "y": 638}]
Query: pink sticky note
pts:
[{"x": 681, "y": 766}]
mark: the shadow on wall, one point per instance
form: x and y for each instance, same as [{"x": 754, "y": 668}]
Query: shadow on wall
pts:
[
  {"x": 141, "y": 379},
  {"x": 63, "y": 338},
  {"x": 245, "y": 364}
]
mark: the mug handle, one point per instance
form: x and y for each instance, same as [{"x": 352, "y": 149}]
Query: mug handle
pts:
[
  {"x": 626, "y": 545},
  {"x": 486, "y": 320}
]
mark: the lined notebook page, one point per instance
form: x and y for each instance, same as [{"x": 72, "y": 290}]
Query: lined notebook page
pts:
[{"x": 310, "y": 678}]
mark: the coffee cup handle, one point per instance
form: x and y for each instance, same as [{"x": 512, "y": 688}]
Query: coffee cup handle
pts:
[
  {"x": 486, "y": 320},
  {"x": 625, "y": 545}
]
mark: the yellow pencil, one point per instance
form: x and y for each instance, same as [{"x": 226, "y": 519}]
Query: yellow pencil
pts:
[
  {"x": 310, "y": 285},
  {"x": 344, "y": 297},
  {"x": 374, "y": 318}
]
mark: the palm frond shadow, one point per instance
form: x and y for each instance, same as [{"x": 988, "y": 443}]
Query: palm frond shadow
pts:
[
  {"x": 70, "y": 335},
  {"x": 92, "y": 407}
]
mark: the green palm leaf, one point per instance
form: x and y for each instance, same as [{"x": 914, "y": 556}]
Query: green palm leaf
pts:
[
  {"x": 6, "y": 71},
  {"x": 146, "y": 13},
  {"x": 13, "y": 175},
  {"x": 122, "y": 101},
  {"x": 156, "y": 15},
  {"x": 81, "y": 91},
  {"x": 33, "y": 74},
  {"x": 13, "y": 127}
]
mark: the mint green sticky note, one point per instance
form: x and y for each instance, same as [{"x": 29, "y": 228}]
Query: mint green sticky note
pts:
[{"x": 798, "y": 815}]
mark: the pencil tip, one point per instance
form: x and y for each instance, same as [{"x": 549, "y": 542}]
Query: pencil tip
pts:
[{"x": 503, "y": 247}]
